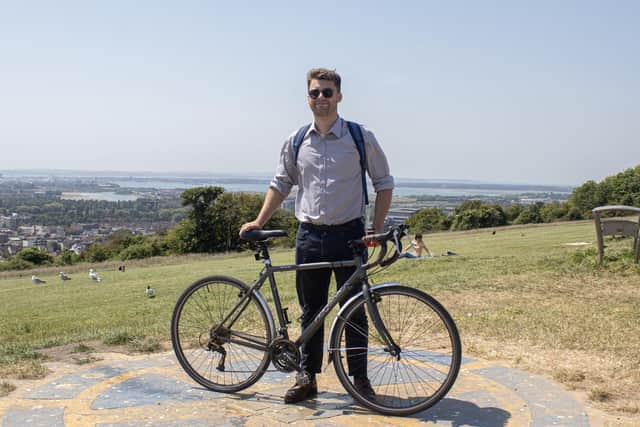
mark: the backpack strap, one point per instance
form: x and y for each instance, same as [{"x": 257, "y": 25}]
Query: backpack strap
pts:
[
  {"x": 297, "y": 141},
  {"x": 356, "y": 133}
]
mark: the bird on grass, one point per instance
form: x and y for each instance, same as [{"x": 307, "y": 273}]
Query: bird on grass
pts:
[
  {"x": 150, "y": 292},
  {"x": 35, "y": 279},
  {"x": 94, "y": 276},
  {"x": 64, "y": 276}
]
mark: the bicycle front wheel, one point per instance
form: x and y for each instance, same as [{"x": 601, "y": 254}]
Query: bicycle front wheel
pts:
[
  {"x": 222, "y": 357},
  {"x": 430, "y": 355}
]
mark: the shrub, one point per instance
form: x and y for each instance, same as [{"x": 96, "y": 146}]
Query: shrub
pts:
[
  {"x": 34, "y": 256},
  {"x": 531, "y": 214},
  {"x": 67, "y": 257},
  {"x": 475, "y": 214},
  {"x": 138, "y": 251},
  {"x": 96, "y": 253},
  {"x": 428, "y": 220},
  {"x": 16, "y": 264}
]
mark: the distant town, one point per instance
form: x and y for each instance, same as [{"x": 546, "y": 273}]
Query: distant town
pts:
[{"x": 54, "y": 211}]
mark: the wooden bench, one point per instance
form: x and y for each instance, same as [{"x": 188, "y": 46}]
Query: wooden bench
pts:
[{"x": 617, "y": 227}]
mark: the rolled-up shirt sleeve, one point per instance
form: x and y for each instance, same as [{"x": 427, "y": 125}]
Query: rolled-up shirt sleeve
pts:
[
  {"x": 286, "y": 176},
  {"x": 377, "y": 165}
]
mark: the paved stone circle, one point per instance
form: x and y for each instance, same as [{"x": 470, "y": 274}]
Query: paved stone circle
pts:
[{"x": 152, "y": 390}]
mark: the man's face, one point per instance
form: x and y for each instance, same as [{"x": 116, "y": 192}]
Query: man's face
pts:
[{"x": 320, "y": 104}]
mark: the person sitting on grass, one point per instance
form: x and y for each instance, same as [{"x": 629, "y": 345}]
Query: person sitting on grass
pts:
[{"x": 418, "y": 245}]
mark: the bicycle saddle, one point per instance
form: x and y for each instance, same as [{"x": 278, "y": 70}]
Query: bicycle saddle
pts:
[{"x": 261, "y": 235}]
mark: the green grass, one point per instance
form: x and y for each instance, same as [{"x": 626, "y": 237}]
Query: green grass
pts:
[{"x": 520, "y": 294}]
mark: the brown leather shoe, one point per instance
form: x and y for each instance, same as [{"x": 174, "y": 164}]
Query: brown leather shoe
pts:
[
  {"x": 300, "y": 392},
  {"x": 363, "y": 385}
]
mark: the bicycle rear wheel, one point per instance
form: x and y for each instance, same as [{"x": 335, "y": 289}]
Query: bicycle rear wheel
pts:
[
  {"x": 216, "y": 356},
  {"x": 430, "y": 354}
]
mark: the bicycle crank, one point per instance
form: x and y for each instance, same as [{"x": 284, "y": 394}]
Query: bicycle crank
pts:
[{"x": 285, "y": 355}]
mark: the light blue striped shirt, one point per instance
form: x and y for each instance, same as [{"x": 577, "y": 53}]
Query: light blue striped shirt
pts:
[{"x": 328, "y": 174}]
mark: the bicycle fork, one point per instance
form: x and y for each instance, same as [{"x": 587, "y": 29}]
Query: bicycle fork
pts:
[
  {"x": 371, "y": 301},
  {"x": 372, "y": 306}
]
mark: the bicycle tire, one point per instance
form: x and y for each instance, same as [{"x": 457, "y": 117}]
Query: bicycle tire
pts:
[
  {"x": 202, "y": 306},
  {"x": 431, "y": 351}
]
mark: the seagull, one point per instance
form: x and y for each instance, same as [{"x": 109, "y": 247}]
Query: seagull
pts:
[
  {"x": 150, "y": 292},
  {"x": 64, "y": 276},
  {"x": 94, "y": 276},
  {"x": 36, "y": 279}
]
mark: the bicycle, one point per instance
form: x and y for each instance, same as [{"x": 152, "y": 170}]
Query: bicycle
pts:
[{"x": 224, "y": 334}]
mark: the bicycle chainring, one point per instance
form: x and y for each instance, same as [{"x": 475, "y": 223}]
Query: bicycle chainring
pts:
[{"x": 285, "y": 355}]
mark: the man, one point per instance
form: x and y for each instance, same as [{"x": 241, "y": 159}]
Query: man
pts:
[{"x": 330, "y": 207}]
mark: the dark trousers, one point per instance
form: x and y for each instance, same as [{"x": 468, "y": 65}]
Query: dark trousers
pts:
[{"x": 322, "y": 244}]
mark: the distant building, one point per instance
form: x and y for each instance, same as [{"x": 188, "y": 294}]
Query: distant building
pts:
[
  {"x": 27, "y": 230},
  {"x": 77, "y": 248},
  {"x": 9, "y": 221}
]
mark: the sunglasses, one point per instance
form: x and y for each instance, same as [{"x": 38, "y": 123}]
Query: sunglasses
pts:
[{"x": 326, "y": 92}]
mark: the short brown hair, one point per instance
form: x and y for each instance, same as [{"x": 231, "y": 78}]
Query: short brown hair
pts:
[{"x": 323, "y": 74}]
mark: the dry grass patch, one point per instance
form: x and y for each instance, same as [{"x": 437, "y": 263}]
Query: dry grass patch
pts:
[
  {"x": 85, "y": 359},
  {"x": 6, "y": 388},
  {"x": 24, "y": 370},
  {"x": 600, "y": 395},
  {"x": 146, "y": 345},
  {"x": 82, "y": 348},
  {"x": 569, "y": 376},
  {"x": 610, "y": 383}
]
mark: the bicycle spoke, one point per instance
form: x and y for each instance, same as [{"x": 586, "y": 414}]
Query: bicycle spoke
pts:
[
  {"x": 422, "y": 372},
  {"x": 204, "y": 346}
]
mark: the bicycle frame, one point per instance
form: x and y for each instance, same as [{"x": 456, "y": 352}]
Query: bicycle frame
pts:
[{"x": 268, "y": 273}]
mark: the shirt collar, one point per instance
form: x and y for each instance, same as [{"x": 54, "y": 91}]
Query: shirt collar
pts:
[{"x": 336, "y": 129}]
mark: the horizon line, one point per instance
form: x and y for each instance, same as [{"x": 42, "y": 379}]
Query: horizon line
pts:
[{"x": 200, "y": 174}]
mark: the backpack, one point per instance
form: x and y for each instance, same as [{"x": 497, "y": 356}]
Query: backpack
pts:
[{"x": 356, "y": 134}]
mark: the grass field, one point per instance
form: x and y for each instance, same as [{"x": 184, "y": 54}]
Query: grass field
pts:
[{"x": 521, "y": 295}]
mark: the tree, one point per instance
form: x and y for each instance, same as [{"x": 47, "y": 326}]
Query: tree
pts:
[
  {"x": 96, "y": 253},
  {"x": 623, "y": 188},
  {"x": 202, "y": 221},
  {"x": 620, "y": 189},
  {"x": 214, "y": 221},
  {"x": 588, "y": 196},
  {"x": 138, "y": 251},
  {"x": 531, "y": 214},
  {"x": 472, "y": 214},
  {"x": 182, "y": 237},
  {"x": 512, "y": 211},
  {"x": 16, "y": 263},
  {"x": 68, "y": 257},
  {"x": 34, "y": 256},
  {"x": 428, "y": 220},
  {"x": 554, "y": 211}
]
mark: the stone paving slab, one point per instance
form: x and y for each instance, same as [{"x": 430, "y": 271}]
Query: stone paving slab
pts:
[
  {"x": 549, "y": 404},
  {"x": 153, "y": 390},
  {"x": 34, "y": 417},
  {"x": 149, "y": 389},
  {"x": 71, "y": 385}
]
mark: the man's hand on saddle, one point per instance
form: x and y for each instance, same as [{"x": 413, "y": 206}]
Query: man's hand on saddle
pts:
[{"x": 253, "y": 225}]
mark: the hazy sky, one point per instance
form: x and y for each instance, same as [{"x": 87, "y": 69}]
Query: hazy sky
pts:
[{"x": 527, "y": 92}]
